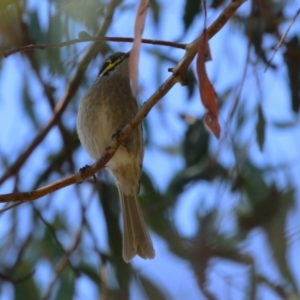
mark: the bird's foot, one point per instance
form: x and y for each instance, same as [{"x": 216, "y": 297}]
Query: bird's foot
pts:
[
  {"x": 116, "y": 135},
  {"x": 83, "y": 170}
]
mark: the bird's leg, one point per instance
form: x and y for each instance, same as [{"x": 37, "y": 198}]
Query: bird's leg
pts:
[{"x": 125, "y": 144}]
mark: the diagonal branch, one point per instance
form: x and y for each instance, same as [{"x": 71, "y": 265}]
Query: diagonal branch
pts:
[{"x": 178, "y": 76}]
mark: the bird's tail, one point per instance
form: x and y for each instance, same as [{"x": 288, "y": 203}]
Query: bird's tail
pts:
[{"x": 136, "y": 239}]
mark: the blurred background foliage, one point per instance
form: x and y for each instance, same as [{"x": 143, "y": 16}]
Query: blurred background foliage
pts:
[{"x": 245, "y": 186}]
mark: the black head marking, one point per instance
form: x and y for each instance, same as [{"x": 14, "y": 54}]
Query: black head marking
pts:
[{"x": 112, "y": 61}]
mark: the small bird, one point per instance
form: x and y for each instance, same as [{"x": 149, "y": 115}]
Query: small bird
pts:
[{"x": 105, "y": 109}]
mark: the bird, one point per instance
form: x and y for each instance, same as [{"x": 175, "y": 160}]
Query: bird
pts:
[{"x": 106, "y": 108}]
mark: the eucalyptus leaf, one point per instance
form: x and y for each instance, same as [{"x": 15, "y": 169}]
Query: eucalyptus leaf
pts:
[
  {"x": 191, "y": 10},
  {"x": 291, "y": 56},
  {"x": 152, "y": 290},
  {"x": 260, "y": 128},
  {"x": 275, "y": 230}
]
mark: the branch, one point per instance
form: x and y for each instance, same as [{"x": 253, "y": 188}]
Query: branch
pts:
[
  {"x": 22, "y": 279},
  {"x": 54, "y": 236},
  {"x": 283, "y": 38},
  {"x": 61, "y": 265},
  {"x": 89, "y": 39},
  {"x": 178, "y": 76}
]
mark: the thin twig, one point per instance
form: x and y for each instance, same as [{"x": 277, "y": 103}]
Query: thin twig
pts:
[
  {"x": 89, "y": 39},
  {"x": 282, "y": 38},
  {"x": 10, "y": 206},
  {"x": 53, "y": 233},
  {"x": 61, "y": 265}
]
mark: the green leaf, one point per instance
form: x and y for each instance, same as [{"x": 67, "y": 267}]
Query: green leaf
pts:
[
  {"x": 240, "y": 115},
  {"x": 275, "y": 230},
  {"x": 253, "y": 181},
  {"x": 260, "y": 128},
  {"x": 28, "y": 104},
  {"x": 191, "y": 10},
  {"x": 66, "y": 285},
  {"x": 292, "y": 60},
  {"x": 28, "y": 287},
  {"x": 191, "y": 82},
  {"x": 216, "y": 3},
  {"x": 151, "y": 199},
  {"x": 195, "y": 144},
  {"x": 152, "y": 290},
  {"x": 5, "y": 3},
  {"x": 91, "y": 271},
  {"x": 35, "y": 32},
  {"x": 284, "y": 125},
  {"x": 197, "y": 172},
  {"x": 87, "y": 13},
  {"x": 160, "y": 209},
  {"x": 53, "y": 55},
  {"x": 255, "y": 28},
  {"x": 259, "y": 209},
  {"x": 156, "y": 9},
  {"x": 10, "y": 27}
]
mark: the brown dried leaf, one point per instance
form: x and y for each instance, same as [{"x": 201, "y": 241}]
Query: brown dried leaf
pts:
[
  {"x": 135, "y": 51},
  {"x": 207, "y": 92}
]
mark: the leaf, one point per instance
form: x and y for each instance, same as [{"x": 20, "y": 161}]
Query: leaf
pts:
[
  {"x": 84, "y": 35},
  {"x": 292, "y": 60},
  {"x": 191, "y": 80},
  {"x": 27, "y": 287},
  {"x": 216, "y": 3},
  {"x": 135, "y": 51},
  {"x": 10, "y": 27},
  {"x": 207, "y": 92},
  {"x": 35, "y": 32},
  {"x": 156, "y": 9},
  {"x": 28, "y": 104},
  {"x": 90, "y": 271},
  {"x": 262, "y": 21},
  {"x": 158, "y": 209},
  {"x": 152, "y": 290},
  {"x": 5, "y": 3},
  {"x": 197, "y": 172},
  {"x": 260, "y": 209},
  {"x": 66, "y": 286},
  {"x": 85, "y": 12},
  {"x": 275, "y": 230},
  {"x": 260, "y": 128},
  {"x": 151, "y": 199},
  {"x": 284, "y": 125},
  {"x": 195, "y": 144},
  {"x": 191, "y": 10},
  {"x": 209, "y": 243}
]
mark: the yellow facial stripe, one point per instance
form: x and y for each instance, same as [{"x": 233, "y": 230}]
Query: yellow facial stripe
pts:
[{"x": 112, "y": 65}]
